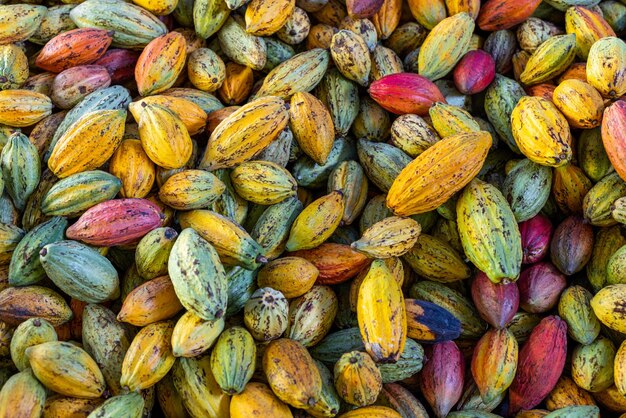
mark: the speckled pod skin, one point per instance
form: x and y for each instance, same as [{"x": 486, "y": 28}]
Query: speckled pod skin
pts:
[
  {"x": 17, "y": 304},
  {"x": 233, "y": 360}
]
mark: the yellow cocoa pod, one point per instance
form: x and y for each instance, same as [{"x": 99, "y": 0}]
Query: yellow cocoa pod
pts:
[
  {"x": 130, "y": 164},
  {"x": 567, "y": 393},
  {"x": 193, "y": 335},
  {"x": 550, "y": 59},
  {"x": 357, "y": 379},
  {"x": 291, "y": 373},
  {"x": 157, "y": 7},
  {"x": 189, "y": 112},
  {"x": 18, "y": 22},
  {"x": 607, "y": 59},
  {"x": 351, "y": 56},
  {"x": 22, "y": 396},
  {"x": 588, "y": 26},
  {"x": 438, "y": 173},
  {"x": 292, "y": 276},
  {"x": 541, "y": 132},
  {"x": 264, "y": 18},
  {"x": 66, "y": 369},
  {"x": 445, "y": 45},
  {"x": 141, "y": 371},
  {"x": 245, "y": 133},
  {"x": 450, "y": 120},
  {"x": 569, "y": 188},
  {"x": 206, "y": 70},
  {"x": 580, "y": 103},
  {"x": 391, "y": 237},
  {"x": 316, "y": 223},
  {"x": 163, "y": 135},
  {"x": 197, "y": 387},
  {"x": 88, "y": 143},
  {"x": 66, "y": 407},
  {"x": 312, "y": 126},
  {"x": 428, "y": 12},
  {"x": 19, "y": 108},
  {"x": 257, "y": 399},
  {"x": 458, "y": 6},
  {"x": 263, "y": 182},
  {"x": 152, "y": 301},
  {"x": 619, "y": 370},
  {"x": 160, "y": 63},
  {"x": 380, "y": 296},
  {"x": 372, "y": 412},
  {"x": 191, "y": 189}
]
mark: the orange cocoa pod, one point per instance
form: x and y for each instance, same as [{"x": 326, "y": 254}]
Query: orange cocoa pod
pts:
[
  {"x": 152, "y": 301},
  {"x": 72, "y": 48},
  {"x": 237, "y": 85},
  {"x": 504, "y": 14},
  {"x": 614, "y": 136},
  {"x": 387, "y": 18},
  {"x": 160, "y": 63},
  {"x": 130, "y": 164},
  {"x": 544, "y": 90},
  {"x": 217, "y": 116},
  {"x": 335, "y": 262}
]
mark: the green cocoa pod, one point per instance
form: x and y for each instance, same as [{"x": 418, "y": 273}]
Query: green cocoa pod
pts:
[
  {"x": 233, "y": 360},
  {"x": 75, "y": 194},
  {"x": 575, "y": 309},
  {"x": 106, "y": 340},
  {"x": 153, "y": 252},
  {"x": 31, "y": 332},
  {"x": 592, "y": 365},
  {"x": 382, "y": 162},
  {"x": 25, "y": 267},
  {"x": 198, "y": 276},
  {"x": 21, "y": 168},
  {"x": 341, "y": 97},
  {"x": 527, "y": 188},
  {"x": 80, "y": 271}
]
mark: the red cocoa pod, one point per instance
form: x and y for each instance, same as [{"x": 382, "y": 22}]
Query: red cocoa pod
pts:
[
  {"x": 540, "y": 364},
  {"x": 363, "y": 9},
  {"x": 442, "y": 377},
  {"x": 116, "y": 222},
  {"x": 572, "y": 244},
  {"x": 536, "y": 233},
  {"x": 540, "y": 286},
  {"x": 120, "y": 63},
  {"x": 72, "y": 48},
  {"x": 474, "y": 72},
  {"x": 614, "y": 136},
  {"x": 72, "y": 85},
  {"x": 335, "y": 262},
  {"x": 496, "y": 303},
  {"x": 504, "y": 14},
  {"x": 403, "y": 93}
]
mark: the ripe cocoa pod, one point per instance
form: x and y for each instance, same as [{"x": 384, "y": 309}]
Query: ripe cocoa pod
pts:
[
  {"x": 494, "y": 363},
  {"x": 405, "y": 93},
  {"x": 496, "y": 303},
  {"x": 357, "y": 379},
  {"x": 116, "y": 222},
  {"x": 504, "y": 14},
  {"x": 606, "y": 306},
  {"x": 428, "y": 322},
  {"x": 17, "y": 304},
  {"x": 474, "y": 72},
  {"x": 592, "y": 365},
  {"x": 442, "y": 377},
  {"x": 22, "y": 395},
  {"x": 29, "y": 333},
  {"x": 540, "y": 364},
  {"x": 73, "y": 48},
  {"x": 311, "y": 315},
  {"x": 571, "y": 245},
  {"x": 535, "y": 234},
  {"x": 66, "y": 369},
  {"x": 540, "y": 287}
]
